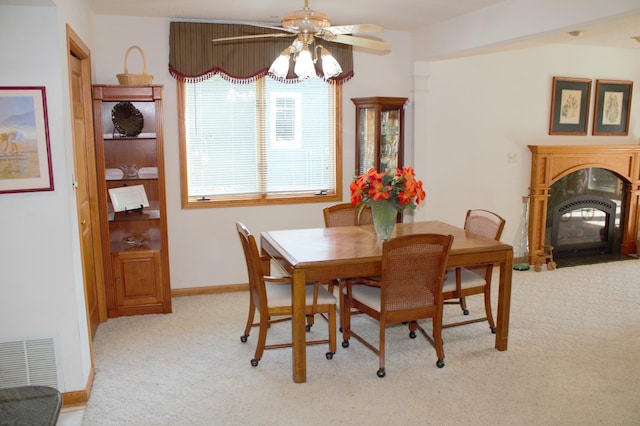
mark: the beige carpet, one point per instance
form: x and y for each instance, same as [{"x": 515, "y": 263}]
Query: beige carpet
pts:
[{"x": 573, "y": 359}]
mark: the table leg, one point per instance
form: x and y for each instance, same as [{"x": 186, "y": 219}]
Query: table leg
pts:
[
  {"x": 298, "y": 327},
  {"x": 504, "y": 302}
]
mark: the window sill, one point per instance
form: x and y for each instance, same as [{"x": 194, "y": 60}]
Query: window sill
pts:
[{"x": 261, "y": 200}]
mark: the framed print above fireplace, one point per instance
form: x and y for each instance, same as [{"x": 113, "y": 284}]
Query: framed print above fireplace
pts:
[
  {"x": 569, "y": 106},
  {"x": 612, "y": 108}
]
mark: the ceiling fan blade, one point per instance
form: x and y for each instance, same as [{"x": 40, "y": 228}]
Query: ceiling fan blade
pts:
[
  {"x": 252, "y": 36},
  {"x": 353, "y": 29},
  {"x": 272, "y": 27},
  {"x": 361, "y": 42}
]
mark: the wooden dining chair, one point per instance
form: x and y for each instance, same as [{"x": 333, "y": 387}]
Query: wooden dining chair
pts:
[
  {"x": 466, "y": 281},
  {"x": 271, "y": 297},
  {"x": 410, "y": 289},
  {"x": 344, "y": 214}
]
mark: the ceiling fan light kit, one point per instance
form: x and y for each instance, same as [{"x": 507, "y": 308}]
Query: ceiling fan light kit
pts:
[
  {"x": 304, "y": 63},
  {"x": 307, "y": 25}
]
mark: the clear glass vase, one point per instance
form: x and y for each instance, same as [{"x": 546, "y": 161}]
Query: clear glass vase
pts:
[
  {"x": 521, "y": 242},
  {"x": 384, "y": 218}
]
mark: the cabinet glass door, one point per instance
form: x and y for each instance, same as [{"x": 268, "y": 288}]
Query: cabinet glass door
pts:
[
  {"x": 389, "y": 136},
  {"x": 367, "y": 139}
]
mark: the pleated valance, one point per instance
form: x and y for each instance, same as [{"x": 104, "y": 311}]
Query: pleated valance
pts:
[{"x": 194, "y": 57}]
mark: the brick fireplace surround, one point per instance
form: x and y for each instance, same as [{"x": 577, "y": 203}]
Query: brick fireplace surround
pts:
[{"x": 552, "y": 162}]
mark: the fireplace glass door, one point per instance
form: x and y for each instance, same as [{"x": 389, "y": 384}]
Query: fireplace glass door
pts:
[{"x": 584, "y": 213}]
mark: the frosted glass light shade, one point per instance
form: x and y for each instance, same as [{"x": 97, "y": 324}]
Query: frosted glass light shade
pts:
[
  {"x": 330, "y": 67},
  {"x": 304, "y": 65},
  {"x": 280, "y": 67}
]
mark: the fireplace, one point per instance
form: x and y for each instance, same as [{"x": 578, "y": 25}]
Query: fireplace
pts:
[
  {"x": 584, "y": 214},
  {"x": 583, "y": 219},
  {"x": 583, "y": 226}
]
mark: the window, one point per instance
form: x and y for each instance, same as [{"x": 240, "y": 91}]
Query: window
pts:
[
  {"x": 285, "y": 115},
  {"x": 260, "y": 143}
]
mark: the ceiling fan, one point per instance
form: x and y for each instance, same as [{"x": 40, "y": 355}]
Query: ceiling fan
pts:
[
  {"x": 317, "y": 24},
  {"x": 306, "y": 25}
]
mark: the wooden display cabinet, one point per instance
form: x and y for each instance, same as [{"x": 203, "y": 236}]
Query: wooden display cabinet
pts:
[
  {"x": 379, "y": 133},
  {"x": 128, "y": 132}
]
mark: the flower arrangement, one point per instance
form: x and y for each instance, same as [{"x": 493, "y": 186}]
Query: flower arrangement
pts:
[{"x": 398, "y": 186}]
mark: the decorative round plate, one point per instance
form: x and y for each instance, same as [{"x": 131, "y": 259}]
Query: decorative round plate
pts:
[{"x": 127, "y": 119}]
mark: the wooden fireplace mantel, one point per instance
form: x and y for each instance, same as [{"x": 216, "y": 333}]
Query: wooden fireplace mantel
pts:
[{"x": 552, "y": 162}]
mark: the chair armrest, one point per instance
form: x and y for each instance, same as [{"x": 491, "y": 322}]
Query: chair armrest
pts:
[
  {"x": 270, "y": 279},
  {"x": 372, "y": 281}
]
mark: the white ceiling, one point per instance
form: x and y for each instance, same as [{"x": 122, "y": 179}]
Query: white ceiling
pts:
[{"x": 399, "y": 15}]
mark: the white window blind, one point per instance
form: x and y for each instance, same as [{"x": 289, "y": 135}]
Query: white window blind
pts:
[{"x": 260, "y": 139}]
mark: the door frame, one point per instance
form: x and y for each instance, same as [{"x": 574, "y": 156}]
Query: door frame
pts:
[{"x": 76, "y": 47}]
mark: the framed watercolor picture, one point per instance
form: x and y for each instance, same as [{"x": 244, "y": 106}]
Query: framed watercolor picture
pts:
[
  {"x": 569, "y": 106},
  {"x": 25, "y": 156},
  {"x": 612, "y": 108}
]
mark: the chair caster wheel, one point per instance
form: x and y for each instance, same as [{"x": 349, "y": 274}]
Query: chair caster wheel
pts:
[
  {"x": 254, "y": 362},
  {"x": 308, "y": 328},
  {"x": 345, "y": 344},
  {"x": 440, "y": 363},
  {"x": 465, "y": 312},
  {"x": 493, "y": 330},
  {"x": 381, "y": 373},
  {"x": 412, "y": 334},
  {"x": 244, "y": 338},
  {"x": 551, "y": 266},
  {"x": 329, "y": 355}
]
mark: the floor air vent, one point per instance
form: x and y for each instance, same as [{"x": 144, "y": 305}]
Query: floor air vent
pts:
[{"x": 28, "y": 362}]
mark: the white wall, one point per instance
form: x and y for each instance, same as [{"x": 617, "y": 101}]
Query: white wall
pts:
[
  {"x": 41, "y": 289},
  {"x": 203, "y": 244},
  {"x": 472, "y": 112}
]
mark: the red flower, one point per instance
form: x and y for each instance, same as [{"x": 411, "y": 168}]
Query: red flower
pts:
[
  {"x": 379, "y": 191},
  {"x": 356, "y": 193},
  {"x": 398, "y": 186}
]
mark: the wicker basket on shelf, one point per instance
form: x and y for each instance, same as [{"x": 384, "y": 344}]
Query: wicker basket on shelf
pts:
[{"x": 127, "y": 79}]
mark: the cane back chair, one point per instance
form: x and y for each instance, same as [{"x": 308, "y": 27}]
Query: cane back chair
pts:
[
  {"x": 345, "y": 214},
  {"x": 410, "y": 289},
  {"x": 271, "y": 297},
  {"x": 466, "y": 281}
]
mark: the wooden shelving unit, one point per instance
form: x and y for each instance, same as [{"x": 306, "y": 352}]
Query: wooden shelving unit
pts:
[{"x": 135, "y": 246}]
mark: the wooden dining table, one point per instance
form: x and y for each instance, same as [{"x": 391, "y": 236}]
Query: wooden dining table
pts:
[{"x": 321, "y": 254}]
